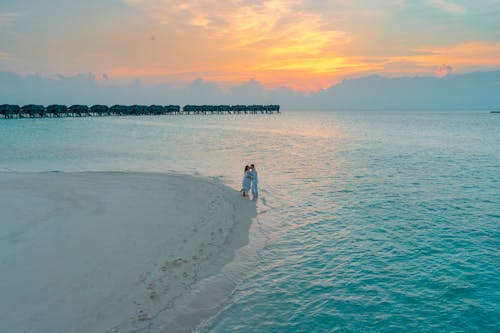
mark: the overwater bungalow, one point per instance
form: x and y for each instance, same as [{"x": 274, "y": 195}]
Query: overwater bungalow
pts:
[
  {"x": 32, "y": 111},
  {"x": 56, "y": 110},
  {"x": 99, "y": 110},
  {"x": 172, "y": 109},
  {"x": 9, "y": 110},
  {"x": 238, "y": 108},
  {"x": 78, "y": 110},
  {"x": 137, "y": 110},
  {"x": 156, "y": 109},
  {"x": 272, "y": 108},
  {"x": 118, "y": 110}
]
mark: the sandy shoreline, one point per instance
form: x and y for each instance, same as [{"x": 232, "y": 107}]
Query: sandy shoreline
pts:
[{"x": 117, "y": 252}]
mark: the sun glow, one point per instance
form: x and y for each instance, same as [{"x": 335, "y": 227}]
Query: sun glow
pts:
[
  {"x": 305, "y": 45},
  {"x": 272, "y": 41}
]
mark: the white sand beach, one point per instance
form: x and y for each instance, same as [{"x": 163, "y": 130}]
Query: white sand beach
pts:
[{"x": 105, "y": 251}]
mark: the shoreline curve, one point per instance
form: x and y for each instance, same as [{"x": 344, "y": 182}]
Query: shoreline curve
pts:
[{"x": 116, "y": 251}]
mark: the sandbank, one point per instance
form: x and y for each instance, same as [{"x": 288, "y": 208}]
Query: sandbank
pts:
[{"x": 115, "y": 251}]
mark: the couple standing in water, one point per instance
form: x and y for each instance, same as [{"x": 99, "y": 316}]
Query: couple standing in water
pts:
[{"x": 250, "y": 180}]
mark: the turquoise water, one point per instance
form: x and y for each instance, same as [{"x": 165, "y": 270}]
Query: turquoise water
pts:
[{"x": 368, "y": 221}]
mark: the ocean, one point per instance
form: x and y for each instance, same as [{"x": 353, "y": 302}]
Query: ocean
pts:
[{"x": 375, "y": 221}]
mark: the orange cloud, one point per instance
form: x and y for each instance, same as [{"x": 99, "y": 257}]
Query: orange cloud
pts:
[
  {"x": 269, "y": 40},
  {"x": 281, "y": 43},
  {"x": 470, "y": 54},
  {"x": 444, "y": 70}
]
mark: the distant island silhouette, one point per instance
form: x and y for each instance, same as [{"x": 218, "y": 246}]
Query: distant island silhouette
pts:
[{"x": 471, "y": 91}]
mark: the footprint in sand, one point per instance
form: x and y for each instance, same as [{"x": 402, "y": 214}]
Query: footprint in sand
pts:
[
  {"x": 143, "y": 316},
  {"x": 174, "y": 264},
  {"x": 154, "y": 296}
]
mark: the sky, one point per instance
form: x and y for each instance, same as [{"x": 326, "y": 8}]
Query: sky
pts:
[{"x": 304, "y": 45}]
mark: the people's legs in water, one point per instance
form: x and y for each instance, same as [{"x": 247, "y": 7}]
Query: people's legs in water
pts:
[{"x": 255, "y": 191}]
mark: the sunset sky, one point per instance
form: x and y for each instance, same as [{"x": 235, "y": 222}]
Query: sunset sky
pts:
[{"x": 301, "y": 44}]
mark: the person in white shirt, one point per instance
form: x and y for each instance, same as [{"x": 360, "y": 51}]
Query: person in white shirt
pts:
[{"x": 255, "y": 181}]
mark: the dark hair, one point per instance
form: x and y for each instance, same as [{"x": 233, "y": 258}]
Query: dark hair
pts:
[
  {"x": 252, "y": 165},
  {"x": 246, "y": 167}
]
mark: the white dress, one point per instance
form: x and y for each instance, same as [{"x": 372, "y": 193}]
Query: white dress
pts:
[{"x": 247, "y": 179}]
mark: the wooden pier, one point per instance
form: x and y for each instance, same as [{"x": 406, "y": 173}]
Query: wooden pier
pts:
[{"x": 8, "y": 111}]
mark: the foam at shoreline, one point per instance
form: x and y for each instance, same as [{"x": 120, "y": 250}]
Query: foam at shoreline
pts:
[{"x": 115, "y": 251}]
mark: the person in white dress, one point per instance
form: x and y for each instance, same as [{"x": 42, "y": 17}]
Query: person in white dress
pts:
[{"x": 247, "y": 179}]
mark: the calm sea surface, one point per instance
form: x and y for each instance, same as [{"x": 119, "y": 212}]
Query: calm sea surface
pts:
[{"x": 368, "y": 221}]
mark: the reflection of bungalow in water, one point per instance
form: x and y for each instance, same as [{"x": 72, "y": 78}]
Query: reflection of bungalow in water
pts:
[
  {"x": 78, "y": 110},
  {"x": 32, "y": 110},
  {"x": 9, "y": 110},
  {"x": 56, "y": 110},
  {"x": 99, "y": 110}
]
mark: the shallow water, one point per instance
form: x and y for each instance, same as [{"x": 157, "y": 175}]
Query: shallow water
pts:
[{"x": 368, "y": 221}]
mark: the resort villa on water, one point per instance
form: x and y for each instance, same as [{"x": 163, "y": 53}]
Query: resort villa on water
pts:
[{"x": 56, "y": 110}]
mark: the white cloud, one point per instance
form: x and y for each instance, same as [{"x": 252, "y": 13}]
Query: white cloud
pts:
[
  {"x": 6, "y": 19},
  {"x": 448, "y": 6},
  {"x": 462, "y": 57}
]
